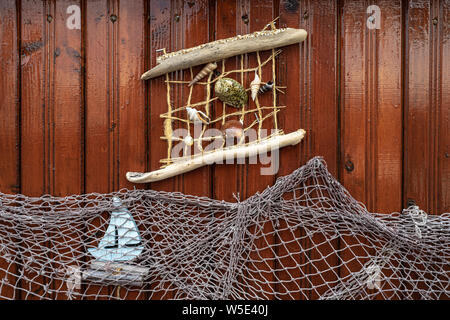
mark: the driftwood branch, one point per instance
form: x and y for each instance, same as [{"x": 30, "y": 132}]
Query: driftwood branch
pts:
[
  {"x": 198, "y": 161},
  {"x": 225, "y": 48}
]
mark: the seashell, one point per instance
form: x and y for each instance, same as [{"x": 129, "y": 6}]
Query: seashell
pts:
[
  {"x": 254, "y": 86},
  {"x": 233, "y": 129},
  {"x": 267, "y": 87},
  {"x": 210, "y": 67},
  {"x": 231, "y": 92},
  {"x": 197, "y": 116}
]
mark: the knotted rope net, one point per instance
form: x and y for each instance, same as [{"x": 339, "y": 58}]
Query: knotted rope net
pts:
[{"x": 303, "y": 238}]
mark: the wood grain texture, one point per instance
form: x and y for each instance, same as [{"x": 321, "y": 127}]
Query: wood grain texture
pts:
[
  {"x": 444, "y": 113},
  {"x": 9, "y": 120},
  {"x": 161, "y": 20},
  {"x": 75, "y": 116},
  {"x": 321, "y": 104},
  {"x": 130, "y": 95},
  {"x": 34, "y": 115},
  {"x": 228, "y": 22},
  {"x": 100, "y": 110},
  {"x": 426, "y": 154},
  {"x": 259, "y": 13},
  {"x": 66, "y": 128},
  {"x": 291, "y": 70}
]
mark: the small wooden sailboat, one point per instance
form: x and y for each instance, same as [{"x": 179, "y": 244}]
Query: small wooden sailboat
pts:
[
  {"x": 120, "y": 245},
  {"x": 122, "y": 241}
]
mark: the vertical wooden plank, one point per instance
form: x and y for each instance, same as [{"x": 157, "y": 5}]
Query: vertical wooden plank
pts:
[
  {"x": 425, "y": 116},
  {"x": 195, "y": 31},
  {"x": 131, "y": 90},
  {"x": 32, "y": 96},
  {"x": 160, "y": 38},
  {"x": 227, "y": 177},
  {"x": 230, "y": 20},
  {"x": 371, "y": 111},
  {"x": 354, "y": 131},
  {"x": 388, "y": 129},
  {"x": 9, "y": 124},
  {"x": 426, "y": 145},
  {"x": 259, "y": 14},
  {"x": 131, "y": 99},
  {"x": 356, "y": 107},
  {"x": 100, "y": 122},
  {"x": 444, "y": 114},
  {"x": 418, "y": 117},
  {"x": 291, "y": 71},
  {"x": 67, "y": 159},
  {"x": 387, "y": 103},
  {"x": 34, "y": 128},
  {"x": 320, "y": 21},
  {"x": 66, "y": 132},
  {"x": 311, "y": 99}
]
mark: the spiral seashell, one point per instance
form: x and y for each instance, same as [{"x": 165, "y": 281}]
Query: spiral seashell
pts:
[
  {"x": 210, "y": 67},
  {"x": 267, "y": 87},
  {"x": 254, "y": 86},
  {"x": 231, "y": 92}
]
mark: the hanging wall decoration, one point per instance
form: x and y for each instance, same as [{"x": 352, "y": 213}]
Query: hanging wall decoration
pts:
[
  {"x": 120, "y": 245},
  {"x": 230, "y": 105}
]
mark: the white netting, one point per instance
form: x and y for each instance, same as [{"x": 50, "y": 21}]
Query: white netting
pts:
[{"x": 304, "y": 237}]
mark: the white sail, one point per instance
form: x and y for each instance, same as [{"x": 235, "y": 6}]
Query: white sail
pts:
[{"x": 122, "y": 241}]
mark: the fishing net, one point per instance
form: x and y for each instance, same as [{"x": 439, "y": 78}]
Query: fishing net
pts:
[{"x": 303, "y": 238}]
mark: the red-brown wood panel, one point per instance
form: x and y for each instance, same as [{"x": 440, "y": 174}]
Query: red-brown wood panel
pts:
[
  {"x": 75, "y": 116},
  {"x": 312, "y": 101},
  {"x": 33, "y": 125},
  {"x": 194, "y": 16},
  {"x": 371, "y": 105},
  {"x": 160, "y": 36},
  {"x": 444, "y": 113},
  {"x": 100, "y": 112},
  {"x": 66, "y": 124},
  {"x": 427, "y": 115},
  {"x": 9, "y": 124},
  {"x": 258, "y": 14},
  {"x": 160, "y": 19},
  {"x": 99, "y": 123},
  {"x": 291, "y": 72},
  {"x": 371, "y": 131},
  {"x": 320, "y": 20},
  {"x": 130, "y": 94},
  {"x": 227, "y": 178},
  {"x": 67, "y": 106},
  {"x": 34, "y": 116}
]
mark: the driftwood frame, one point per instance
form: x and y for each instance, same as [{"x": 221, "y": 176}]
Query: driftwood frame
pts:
[{"x": 212, "y": 52}]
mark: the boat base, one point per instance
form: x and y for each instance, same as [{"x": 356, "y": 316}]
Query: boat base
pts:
[{"x": 114, "y": 273}]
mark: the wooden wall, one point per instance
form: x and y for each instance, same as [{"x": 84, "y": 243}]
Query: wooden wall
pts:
[{"x": 75, "y": 117}]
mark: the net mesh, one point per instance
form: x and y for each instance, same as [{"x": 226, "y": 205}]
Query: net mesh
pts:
[{"x": 303, "y": 238}]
